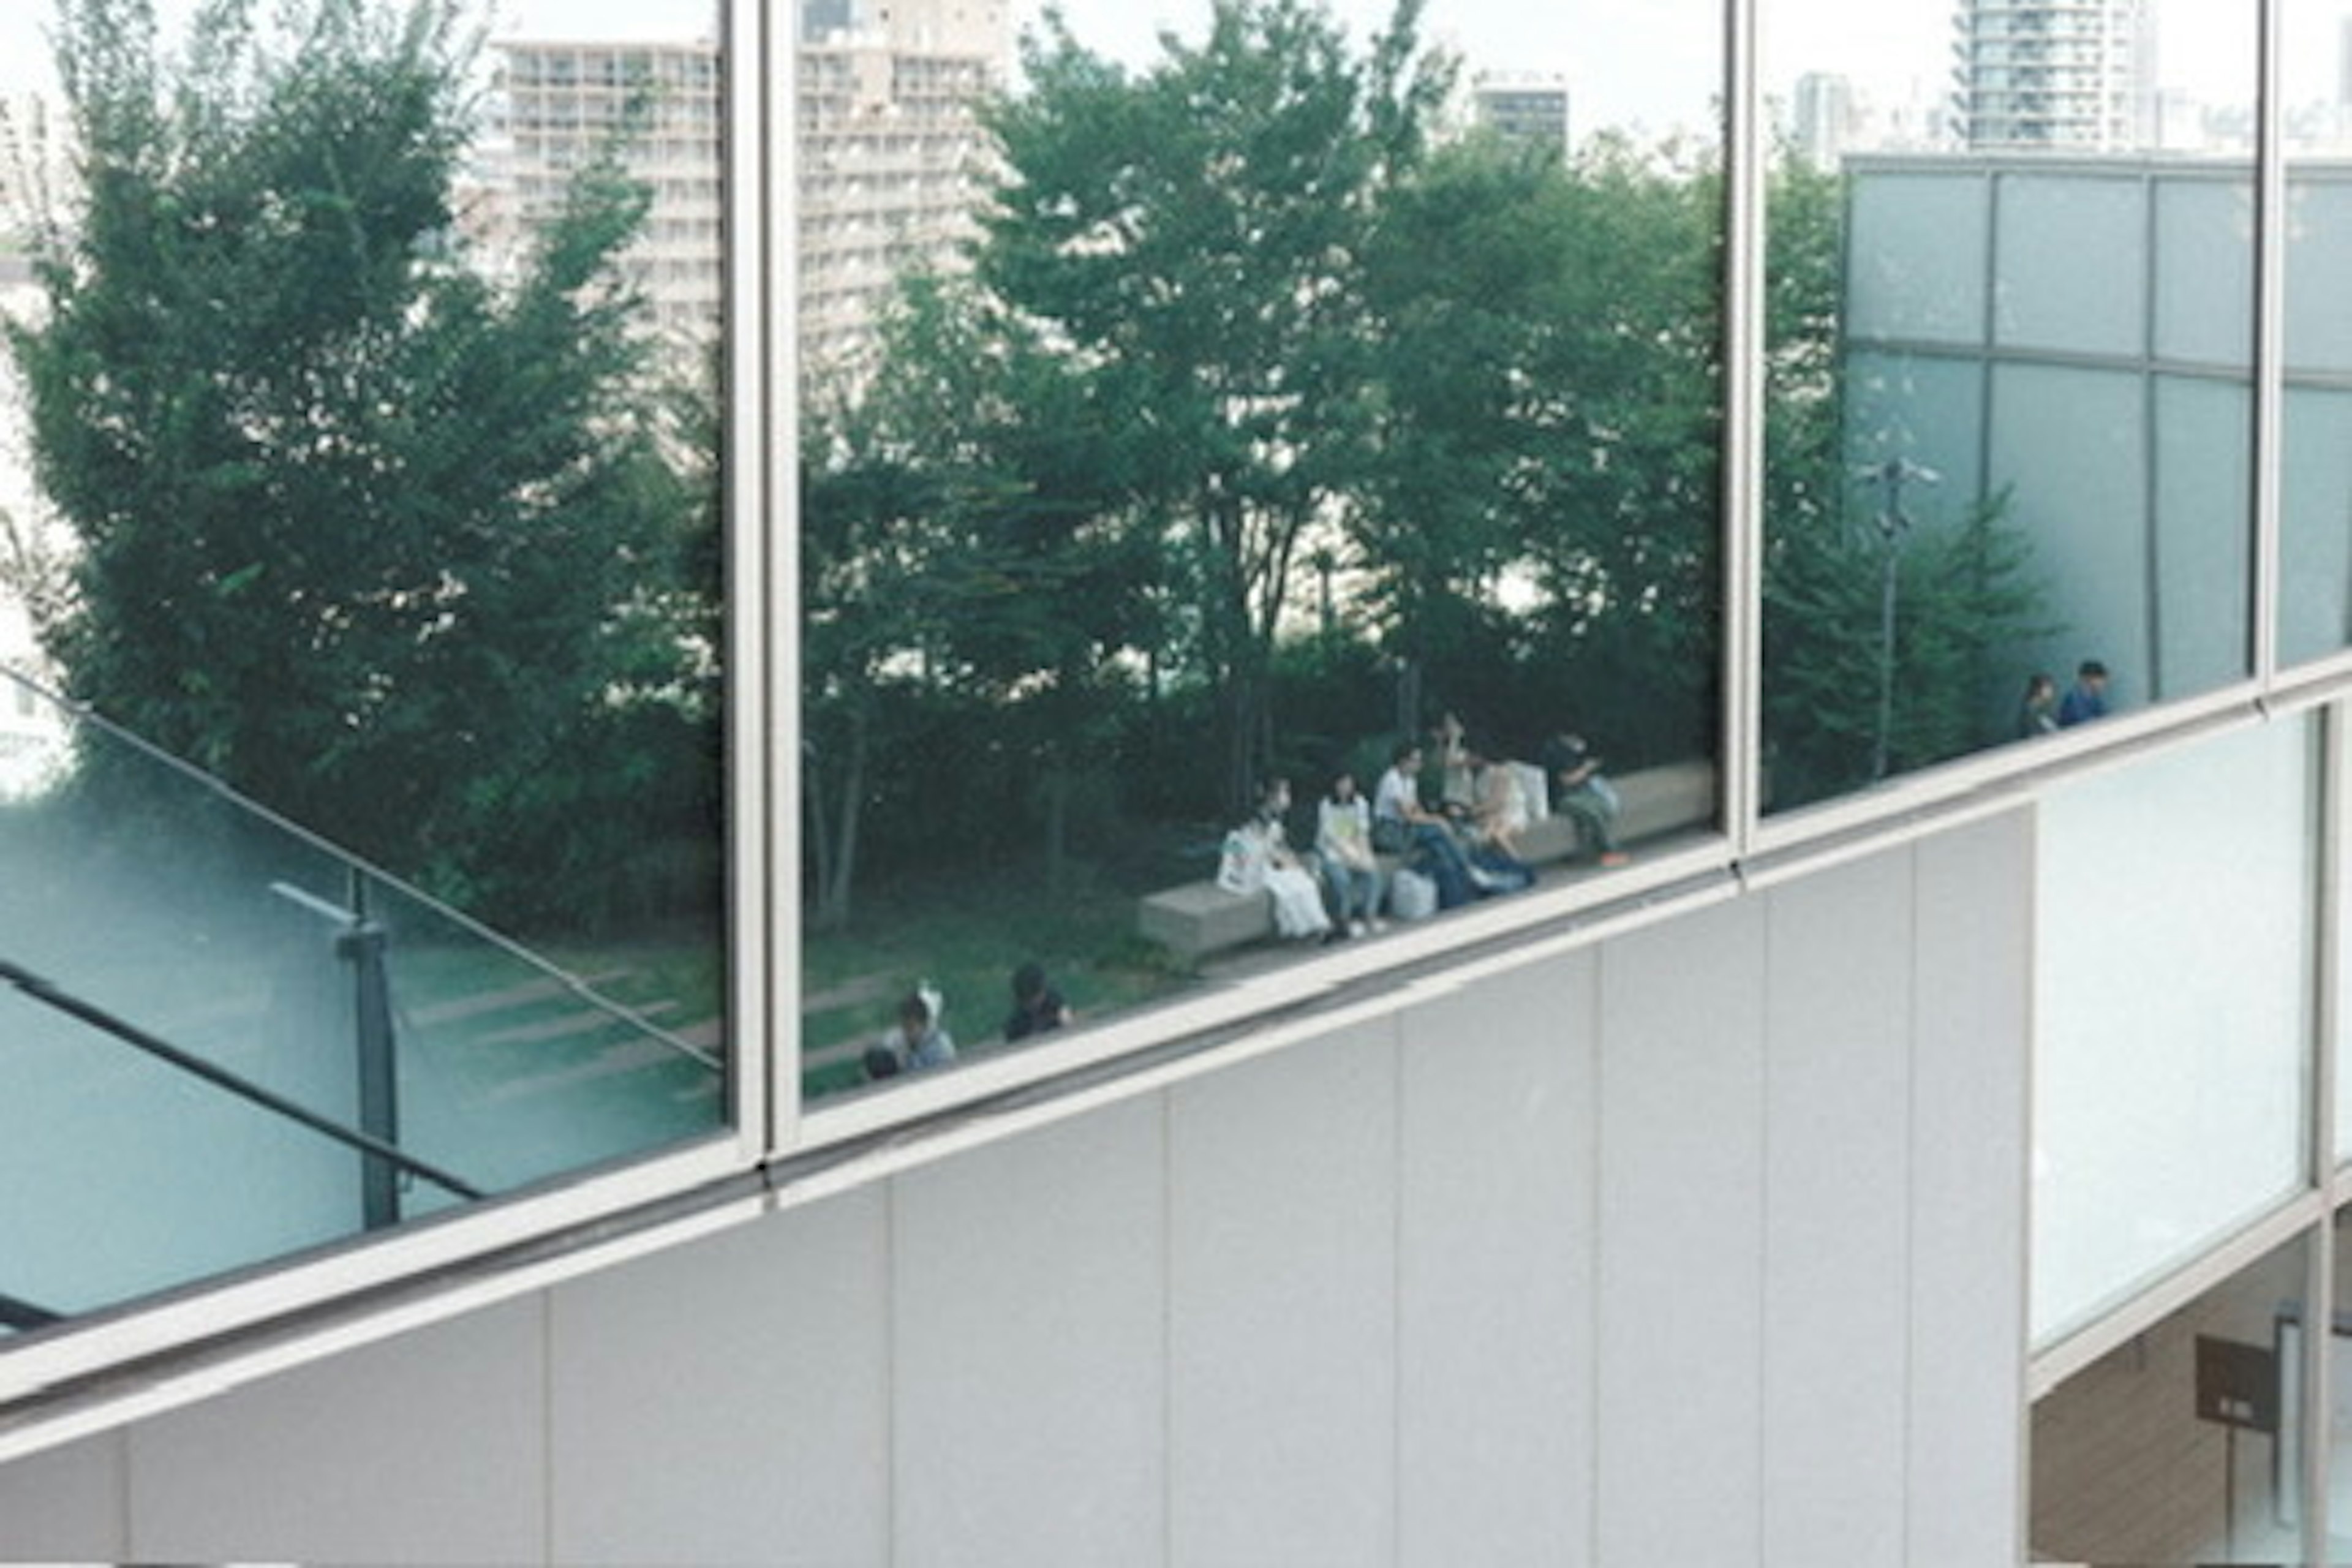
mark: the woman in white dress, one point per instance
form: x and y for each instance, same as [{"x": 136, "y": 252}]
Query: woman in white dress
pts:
[{"x": 1256, "y": 857}]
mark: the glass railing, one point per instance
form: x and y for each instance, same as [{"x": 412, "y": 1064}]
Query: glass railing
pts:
[{"x": 224, "y": 1042}]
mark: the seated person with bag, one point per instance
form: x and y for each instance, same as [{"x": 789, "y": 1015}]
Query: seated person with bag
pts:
[{"x": 1402, "y": 825}]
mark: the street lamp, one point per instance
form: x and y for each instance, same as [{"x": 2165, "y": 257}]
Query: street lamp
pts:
[{"x": 1894, "y": 474}]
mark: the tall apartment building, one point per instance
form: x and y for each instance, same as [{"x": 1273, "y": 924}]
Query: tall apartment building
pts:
[
  {"x": 890, "y": 152},
  {"x": 565, "y": 103},
  {"x": 2076, "y": 74},
  {"x": 890, "y": 143}
]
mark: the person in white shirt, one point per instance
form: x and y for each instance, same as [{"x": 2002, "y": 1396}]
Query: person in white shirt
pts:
[{"x": 1403, "y": 825}]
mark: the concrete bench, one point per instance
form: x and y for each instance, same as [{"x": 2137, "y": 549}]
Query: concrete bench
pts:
[{"x": 1201, "y": 918}]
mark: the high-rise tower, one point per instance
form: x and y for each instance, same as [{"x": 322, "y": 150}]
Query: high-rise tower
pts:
[{"x": 2076, "y": 74}]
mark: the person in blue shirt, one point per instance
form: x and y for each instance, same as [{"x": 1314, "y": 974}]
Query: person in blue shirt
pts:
[{"x": 2088, "y": 698}]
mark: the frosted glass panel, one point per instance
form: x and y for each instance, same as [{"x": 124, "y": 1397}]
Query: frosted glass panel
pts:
[
  {"x": 1923, "y": 410},
  {"x": 2071, "y": 272},
  {"x": 2315, "y": 525},
  {"x": 2204, "y": 520},
  {"x": 2071, "y": 445},
  {"x": 1917, "y": 265},
  {"x": 2318, "y": 305},
  {"x": 2174, "y": 945},
  {"x": 2205, "y": 270}
]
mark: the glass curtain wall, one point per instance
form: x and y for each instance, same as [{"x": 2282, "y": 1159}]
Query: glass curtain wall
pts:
[
  {"x": 1260, "y": 488},
  {"x": 2010, "y": 419},
  {"x": 2315, "y": 480},
  {"x": 362, "y": 501}
]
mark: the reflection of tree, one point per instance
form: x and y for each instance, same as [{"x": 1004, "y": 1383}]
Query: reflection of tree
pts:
[
  {"x": 961, "y": 550},
  {"x": 1550, "y": 345},
  {"x": 1193, "y": 240},
  {"x": 1238, "y": 358},
  {"x": 387, "y": 546}
]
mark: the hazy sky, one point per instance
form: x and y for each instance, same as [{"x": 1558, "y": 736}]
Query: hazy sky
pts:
[{"x": 1626, "y": 61}]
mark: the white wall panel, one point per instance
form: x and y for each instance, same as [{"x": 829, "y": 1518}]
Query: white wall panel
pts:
[
  {"x": 1495, "y": 1293},
  {"x": 728, "y": 1401},
  {"x": 1974, "y": 943},
  {"x": 1680, "y": 1330},
  {"x": 426, "y": 1449},
  {"x": 1282, "y": 1302},
  {"x": 1030, "y": 1291},
  {"x": 1837, "y": 1215},
  {"x": 65, "y": 1504}
]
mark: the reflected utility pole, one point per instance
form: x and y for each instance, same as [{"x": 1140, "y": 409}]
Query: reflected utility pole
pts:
[{"x": 1893, "y": 524}]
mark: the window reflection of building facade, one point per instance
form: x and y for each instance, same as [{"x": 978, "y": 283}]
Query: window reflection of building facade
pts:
[
  {"x": 1529, "y": 110},
  {"x": 889, "y": 151},
  {"x": 657, "y": 107},
  {"x": 2076, "y": 74}
]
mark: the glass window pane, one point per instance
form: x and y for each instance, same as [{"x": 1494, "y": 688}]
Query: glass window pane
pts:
[
  {"x": 2318, "y": 239},
  {"x": 2068, "y": 228},
  {"x": 358, "y": 451},
  {"x": 2070, "y": 269},
  {"x": 226, "y": 1042},
  {"x": 2204, "y": 274},
  {"x": 2172, "y": 1011},
  {"x": 2203, "y": 550},
  {"x": 2316, "y": 524},
  {"x": 2071, "y": 445},
  {"x": 2178, "y": 1447},
  {"x": 1252, "y": 411},
  {"x": 1918, "y": 258},
  {"x": 2316, "y": 486}
]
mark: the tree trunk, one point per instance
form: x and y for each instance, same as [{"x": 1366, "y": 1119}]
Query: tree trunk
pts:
[
  {"x": 833, "y": 905},
  {"x": 820, "y": 834}
]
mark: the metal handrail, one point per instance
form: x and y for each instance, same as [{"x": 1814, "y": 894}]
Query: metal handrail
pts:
[{"x": 51, "y": 996}]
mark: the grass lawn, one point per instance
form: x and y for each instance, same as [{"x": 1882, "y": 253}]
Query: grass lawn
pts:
[{"x": 966, "y": 935}]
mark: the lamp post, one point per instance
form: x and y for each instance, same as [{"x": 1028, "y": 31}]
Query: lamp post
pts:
[{"x": 1893, "y": 524}]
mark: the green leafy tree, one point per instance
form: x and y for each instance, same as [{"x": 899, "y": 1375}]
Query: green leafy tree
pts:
[
  {"x": 383, "y": 543},
  {"x": 1550, "y": 343},
  {"x": 1192, "y": 238},
  {"x": 961, "y": 535}
]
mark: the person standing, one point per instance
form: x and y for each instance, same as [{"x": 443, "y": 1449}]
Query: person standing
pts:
[
  {"x": 2087, "y": 699},
  {"x": 2037, "y": 710}
]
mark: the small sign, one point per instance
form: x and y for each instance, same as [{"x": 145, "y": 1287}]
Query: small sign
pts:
[{"x": 2237, "y": 1385}]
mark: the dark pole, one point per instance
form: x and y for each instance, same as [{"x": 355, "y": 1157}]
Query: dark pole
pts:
[
  {"x": 363, "y": 946},
  {"x": 1891, "y": 526}
]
